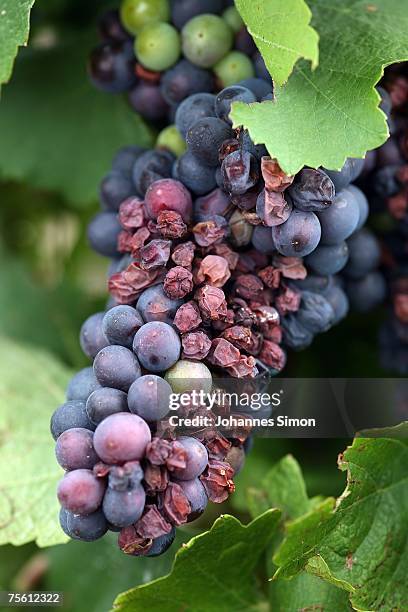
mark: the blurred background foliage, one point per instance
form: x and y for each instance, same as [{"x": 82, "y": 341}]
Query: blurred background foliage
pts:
[{"x": 57, "y": 138}]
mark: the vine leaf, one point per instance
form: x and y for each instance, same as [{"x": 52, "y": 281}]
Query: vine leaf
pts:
[
  {"x": 282, "y": 32},
  {"x": 360, "y": 543},
  {"x": 14, "y": 28},
  {"x": 213, "y": 572},
  {"x": 321, "y": 117},
  {"x": 32, "y": 384}
]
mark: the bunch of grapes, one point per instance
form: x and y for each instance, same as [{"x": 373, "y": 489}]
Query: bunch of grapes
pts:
[
  {"x": 220, "y": 262},
  {"x": 386, "y": 183},
  {"x": 160, "y": 52}
]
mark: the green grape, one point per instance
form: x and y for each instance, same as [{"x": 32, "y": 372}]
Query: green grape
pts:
[
  {"x": 233, "y": 18},
  {"x": 171, "y": 139},
  {"x": 186, "y": 376},
  {"x": 206, "y": 39},
  {"x": 234, "y": 67},
  {"x": 136, "y": 14},
  {"x": 158, "y": 46}
]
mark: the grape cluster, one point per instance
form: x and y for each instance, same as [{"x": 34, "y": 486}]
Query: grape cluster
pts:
[
  {"x": 386, "y": 183},
  {"x": 162, "y": 51}
]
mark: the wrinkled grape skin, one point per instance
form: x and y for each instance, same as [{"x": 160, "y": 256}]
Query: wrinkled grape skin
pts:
[
  {"x": 364, "y": 254},
  {"x": 234, "y": 93},
  {"x": 205, "y": 137},
  {"x": 200, "y": 179},
  {"x": 315, "y": 313},
  {"x": 103, "y": 402},
  {"x": 69, "y": 415},
  {"x": 196, "y": 462},
  {"x": 74, "y": 449},
  {"x": 312, "y": 190},
  {"x": 168, "y": 194},
  {"x": 120, "y": 325},
  {"x": 262, "y": 239},
  {"x": 82, "y": 384},
  {"x": 121, "y": 437},
  {"x": 214, "y": 203},
  {"x": 154, "y": 305},
  {"x": 149, "y": 397},
  {"x": 116, "y": 366},
  {"x": 86, "y": 528},
  {"x": 123, "y": 508},
  {"x": 240, "y": 172},
  {"x": 183, "y": 80},
  {"x": 80, "y": 491},
  {"x": 340, "y": 220},
  {"x": 328, "y": 259},
  {"x": 103, "y": 232},
  {"x": 295, "y": 335},
  {"x": 298, "y": 236},
  {"x": 192, "y": 109},
  {"x": 157, "y": 346},
  {"x": 196, "y": 495},
  {"x": 91, "y": 337},
  {"x": 206, "y": 39},
  {"x": 161, "y": 544}
]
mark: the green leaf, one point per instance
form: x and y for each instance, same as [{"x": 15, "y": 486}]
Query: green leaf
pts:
[
  {"x": 32, "y": 384},
  {"x": 281, "y": 31},
  {"x": 108, "y": 571},
  {"x": 321, "y": 117},
  {"x": 57, "y": 131},
  {"x": 14, "y": 28},
  {"x": 212, "y": 573},
  {"x": 360, "y": 543}
]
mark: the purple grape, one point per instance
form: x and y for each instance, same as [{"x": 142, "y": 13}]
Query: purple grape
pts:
[
  {"x": 315, "y": 313},
  {"x": 116, "y": 366},
  {"x": 91, "y": 337},
  {"x": 330, "y": 259},
  {"x": 110, "y": 27},
  {"x": 82, "y": 384},
  {"x": 197, "y": 177},
  {"x": 259, "y": 87},
  {"x": 299, "y": 235},
  {"x": 340, "y": 220},
  {"x": 197, "y": 459},
  {"x": 240, "y": 172},
  {"x": 74, "y": 449},
  {"x": 103, "y": 402},
  {"x": 260, "y": 67},
  {"x": 125, "y": 159},
  {"x": 205, "y": 137},
  {"x": 184, "y": 10},
  {"x": 339, "y": 302},
  {"x": 295, "y": 335},
  {"x": 115, "y": 187},
  {"x": 103, "y": 232},
  {"x": 277, "y": 212},
  {"x": 120, "y": 325},
  {"x": 183, "y": 80},
  {"x": 161, "y": 544},
  {"x": 123, "y": 508},
  {"x": 149, "y": 397},
  {"x": 168, "y": 194},
  {"x": 80, "y": 491},
  {"x": 154, "y": 305},
  {"x": 69, "y": 415},
  {"x": 157, "y": 346},
  {"x": 366, "y": 293},
  {"x": 262, "y": 239},
  {"x": 364, "y": 254},
  {"x": 362, "y": 205},
  {"x": 312, "y": 190},
  {"x": 196, "y": 495},
  {"x": 214, "y": 203},
  {"x": 150, "y": 167},
  {"x": 226, "y": 97},
  {"x": 350, "y": 171},
  {"x": 121, "y": 437},
  {"x": 111, "y": 66},
  {"x": 86, "y": 528},
  {"x": 192, "y": 109},
  {"x": 147, "y": 99}
]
